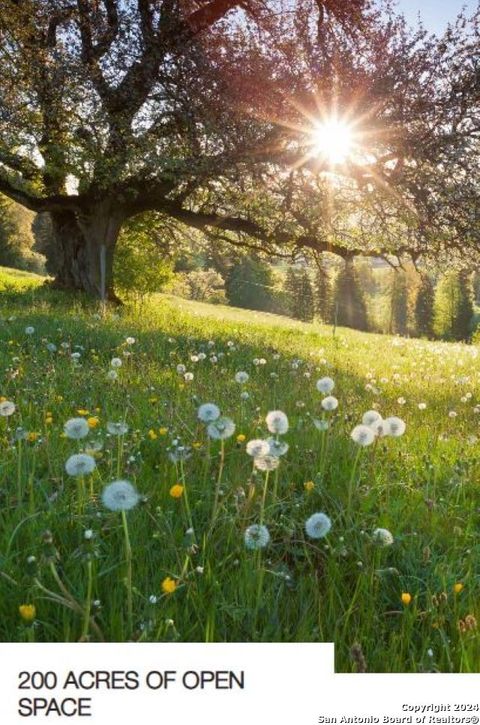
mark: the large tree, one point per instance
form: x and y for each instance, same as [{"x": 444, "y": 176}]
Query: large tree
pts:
[{"x": 202, "y": 110}]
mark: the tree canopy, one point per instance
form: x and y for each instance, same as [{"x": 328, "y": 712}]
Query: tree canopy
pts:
[{"x": 207, "y": 111}]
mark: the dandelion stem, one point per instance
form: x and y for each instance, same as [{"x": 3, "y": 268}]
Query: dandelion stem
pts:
[
  {"x": 352, "y": 479},
  {"x": 128, "y": 558},
  {"x": 219, "y": 481},
  {"x": 88, "y": 601},
  {"x": 264, "y": 498},
  {"x": 185, "y": 496},
  {"x": 19, "y": 471}
]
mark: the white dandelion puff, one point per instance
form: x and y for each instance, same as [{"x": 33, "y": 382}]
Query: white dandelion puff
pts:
[
  {"x": 221, "y": 429},
  {"x": 277, "y": 448},
  {"x": 7, "y": 408},
  {"x": 208, "y": 412},
  {"x": 362, "y": 435},
  {"x": 371, "y": 418},
  {"x": 120, "y": 496},
  {"x": 80, "y": 464},
  {"x": 256, "y": 536},
  {"x": 115, "y": 362},
  {"x": 395, "y": 426},
  {"x": 266, "y": 463},
  {"x": 257, "y": 448},
  {"x": 241, "y": 377},
  {"x": 117, "y": 428},
  {"x": 29, "y": 330},
  {"x": 383, "y": 537},
  {"x": 277, "y": 422},
  {"x": 76, "y": 428},
  {"x": 330, "y": 403},
  {"x": 318, "y": 526},
  {"x": 325, "y": 385}
]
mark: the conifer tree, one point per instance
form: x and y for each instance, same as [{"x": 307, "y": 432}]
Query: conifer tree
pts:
[
  {"x": 323, "y": 295},
  {"x": 350, "y": 305},
  {"x": 399, "y": 304},
  {"x": 424, "y": 308}
]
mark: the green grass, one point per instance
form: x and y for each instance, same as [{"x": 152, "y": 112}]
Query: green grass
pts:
[{"x": 423, "y": 487}]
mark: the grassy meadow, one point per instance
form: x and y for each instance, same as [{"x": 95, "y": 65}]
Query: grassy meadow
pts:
[{"x": 214, "y": 546}]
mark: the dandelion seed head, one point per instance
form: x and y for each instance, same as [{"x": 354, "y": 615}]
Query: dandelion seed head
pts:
[
  {"x": 221, "y": 429},
  {"x": 371, "y": 418},
  {"x": 330, "y": 403},
  {"x": 277, "y": 422},
  {"x": 208, "y": 412},
  {"x": 325, "y": 385},
  {"x": 266, "y": 463},
  {"x": 277, "y": 448},
  {"x": 362, "y": 435},
  {"x": 383, "y": 537},
  {"x": 76, "y": 428},
  {"x": 395, "y": 426},
  {"x": 80, "y": 464},
  {"x": 117, "y": 428},
  {"x": 257, "y": 448},
  {"x": 318, "y": 525},
  {"x": 7, "y": 408},
  {"x": 256, "y": 536},
  {"x": 120, "y": 496}
]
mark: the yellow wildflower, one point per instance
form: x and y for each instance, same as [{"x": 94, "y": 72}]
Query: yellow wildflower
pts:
[
  {"x": 176, "y": 491},
  {"x": 406, "y": 598},
  {"x": 457, "y": 588},
  {"x": 309, "y": 486},
  {"x": 27, "y": 612},
  {"x": 32, "y": 437},
  {"x": 152, "y": 435},
  {"x": 169, "y": 585},
  {"x": 93, "y": 421},
  {"x": 241, "y": 438},
  {"x": 163, "y": 431}
]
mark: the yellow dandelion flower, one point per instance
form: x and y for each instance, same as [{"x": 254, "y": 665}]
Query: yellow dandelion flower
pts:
[
  {"x": 59, "y": 398},
  {"x": 32, "y": 437},
  {"x": 457, "y": 588},
  {"x": 152, "y": 435},
  {"x": 48, "y": 420},
  {"x": 197, "y": 444},
  {"x": 163, "y": 431},
  {"x": 169, "y": 585},
  {"x": 2, "y": 399},
  {"x": 153, "y": 400},
  {"x": 406, "y": 598},
  {"x": 309, "y": 486},
  {"x": 176, "y": 491},
  {"x": 82, "y": 411},
  {"x": 241, "y": 438},
  {"x": 27, "y": 612},
  {"x": 93, "y": 421}
]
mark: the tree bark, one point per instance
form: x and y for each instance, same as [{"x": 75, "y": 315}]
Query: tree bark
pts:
[{"x": 85, "y": 244}]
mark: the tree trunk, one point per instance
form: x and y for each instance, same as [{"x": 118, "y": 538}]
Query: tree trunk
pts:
[{"x": 85, "y": 245}]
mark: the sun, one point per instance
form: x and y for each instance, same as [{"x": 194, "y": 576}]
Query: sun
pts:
[{"x": 333, "y": 139}]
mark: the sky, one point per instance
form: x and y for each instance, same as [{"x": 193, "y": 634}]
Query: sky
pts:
[{"x": 436, "y": 14}]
